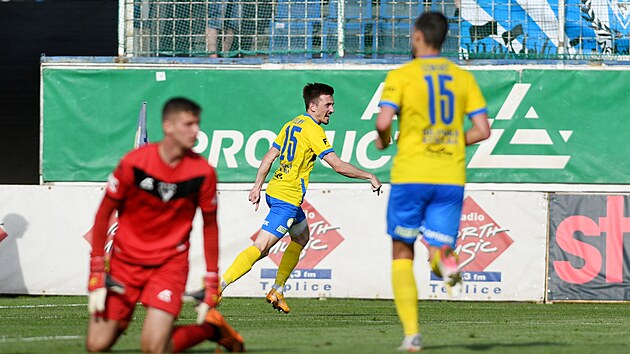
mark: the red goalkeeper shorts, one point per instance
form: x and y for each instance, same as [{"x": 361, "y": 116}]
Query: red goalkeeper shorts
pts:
[{"x": 159, "y": 287}]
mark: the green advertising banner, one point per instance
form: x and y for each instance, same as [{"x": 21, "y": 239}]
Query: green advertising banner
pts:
[{"x": 548, "y": 126}]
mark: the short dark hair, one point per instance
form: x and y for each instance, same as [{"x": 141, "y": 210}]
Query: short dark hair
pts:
[
  {"x": 180, "y": 104},
  {"x": 434, "y": 26},
  {"x": 312, "y": 91}
]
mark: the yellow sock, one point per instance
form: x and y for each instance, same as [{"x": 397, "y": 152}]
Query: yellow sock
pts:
[
  {"x": 405, "y": 295},
  {"x": 289, "y": 260},
  {"x": 242, "y": 264}
]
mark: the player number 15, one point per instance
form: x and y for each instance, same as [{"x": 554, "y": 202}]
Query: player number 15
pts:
[{"x": 446, "y": 98}]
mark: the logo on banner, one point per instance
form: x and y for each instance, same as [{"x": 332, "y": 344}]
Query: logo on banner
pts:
[
  {"x": 3, "y": 234},
  {"x": 324, "y": 238},
  {"x": 596, "y": 240},
  {"x": 480, "y": 241},
  {"x": 485, "y": 157}
]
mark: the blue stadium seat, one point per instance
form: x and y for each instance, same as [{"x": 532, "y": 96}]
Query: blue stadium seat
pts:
[
  {"x": 359, "y": 28},
  {"x": 294, "y": 25},
  {"x": 395, "y": 21}
]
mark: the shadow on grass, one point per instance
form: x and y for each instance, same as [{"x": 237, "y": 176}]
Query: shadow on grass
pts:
[{"x": 488, "y": 346}]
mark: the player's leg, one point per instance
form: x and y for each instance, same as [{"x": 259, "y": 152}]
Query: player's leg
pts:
[
  {"x": 300, "y": 235},
  {"x": 156, "y": 331},
  {"x": 406, "y": 294},
  {"x": 106, "y": 327},
  {"x": 163, "y": 298},
  {"x": 275, "y": 226},
  {"x": 103, "y": 333},
  {"x": 404, "y": 214},
  {"x": 243, "y": 263},
  {"x": 440, "y": 229}
]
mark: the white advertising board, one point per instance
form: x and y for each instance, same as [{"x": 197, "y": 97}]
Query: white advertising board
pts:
[{"x": 502, "y": 244}]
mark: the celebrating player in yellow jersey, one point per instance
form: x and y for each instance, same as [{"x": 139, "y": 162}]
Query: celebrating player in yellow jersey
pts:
[
  {"x": 431, "y": 96},
  {"x": 300, "y": 142}
]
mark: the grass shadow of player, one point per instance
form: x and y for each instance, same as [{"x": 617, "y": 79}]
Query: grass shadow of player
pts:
[
  {"x": 489, "y": 346},
  {"x": 11, "y": 275}
]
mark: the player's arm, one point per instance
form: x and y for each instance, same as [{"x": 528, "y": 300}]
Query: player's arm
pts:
[
  {"x": 477, "y": 112},
  {"x": 384, "y": 126},
  {"x": 349, "y": 170},
  {"x": 211, "y": 279},
  {"x": 99, "y": 280},
  {"x": 263, "y": 171},
  {"x": 480, "y": 129},
  {"x": 101, "y": 224}
]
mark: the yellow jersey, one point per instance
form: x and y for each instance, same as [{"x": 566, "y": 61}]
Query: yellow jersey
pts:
[
  {"x": 431, "y": 96},
  {"x": 301, "y": 141}
]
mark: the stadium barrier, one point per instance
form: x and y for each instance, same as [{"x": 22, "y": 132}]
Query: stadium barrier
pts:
[
  {"x": 489, "y": 29},
  {"x": 347, "y": 256},
  {"x": 504, "y": 243}
]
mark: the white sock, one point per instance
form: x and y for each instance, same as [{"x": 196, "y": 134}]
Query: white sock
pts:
[{"x": 278, "y": 288}]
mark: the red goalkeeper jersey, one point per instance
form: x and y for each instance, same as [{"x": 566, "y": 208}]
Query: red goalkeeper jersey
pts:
[{"x": 158, "y": 203}]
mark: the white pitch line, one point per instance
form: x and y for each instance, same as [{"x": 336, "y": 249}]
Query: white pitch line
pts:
[
  {"x": 37, "y": 339},
  {"x": 39, "y": 306}
]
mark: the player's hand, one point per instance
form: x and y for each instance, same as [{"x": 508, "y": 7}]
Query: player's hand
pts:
[
  {"x": 254, "y": 197},
  {"x": 376, "y": 185},
  {"x": 211, "y": 297},
  {"x": 98, "y": 285}
]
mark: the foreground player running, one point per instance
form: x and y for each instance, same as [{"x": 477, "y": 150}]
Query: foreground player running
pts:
[
  {"x": 431, "y": 95},
  {"x": 156, "y": 190},
  {"x": 298, "y": 144}
]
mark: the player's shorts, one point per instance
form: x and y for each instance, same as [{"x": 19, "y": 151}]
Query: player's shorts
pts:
[
  {"x": 160, "y": 287},
  {"x": 284, "y": 217},
  {"x": 431, "y": 209},
  {"x": 223, "y": 13}
]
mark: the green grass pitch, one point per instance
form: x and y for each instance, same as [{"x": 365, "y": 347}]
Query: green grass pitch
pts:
[{"x": 55, "y": 324}]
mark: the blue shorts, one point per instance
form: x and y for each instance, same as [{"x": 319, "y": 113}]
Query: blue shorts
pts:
[
  {"x": 431, "y": 209},
  {"x": 282, "y": 217}
]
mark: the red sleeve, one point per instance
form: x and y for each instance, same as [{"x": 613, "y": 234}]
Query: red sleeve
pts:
[
  {"x": 208, "y": 205},
  {"x": 101, "y": 223},
  {"x": 211, "y": 241},
  {"x": 120, "y": 180},
  {"x": 208, "y": 193}
]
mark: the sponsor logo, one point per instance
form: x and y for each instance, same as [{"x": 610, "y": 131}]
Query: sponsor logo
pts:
[
  {"x": 165, "y": 296},
  {"x": 480, "y": 242},
  {"x": 485, "y": 157},
  {"x": 112, "y": 183},
  {"x": 3, "y": 234},
  {"x": 324, "y": 238},
  {"x": 596, "y": 240},
  {"x": 147, "y": 184},
  {"x": 480, "y": 239},
  {"x": 166, "y": 190}
]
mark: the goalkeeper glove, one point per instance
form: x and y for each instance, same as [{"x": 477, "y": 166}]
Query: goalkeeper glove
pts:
[
  {"x": 99, "y": 283},
  {"x": 211, "y": 296}
]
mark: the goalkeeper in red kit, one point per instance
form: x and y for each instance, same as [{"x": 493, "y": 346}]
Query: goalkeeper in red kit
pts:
[{"x": 157, "y": 190}]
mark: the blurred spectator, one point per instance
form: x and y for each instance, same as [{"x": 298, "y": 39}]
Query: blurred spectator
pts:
[{"x": 222, "y": 15}]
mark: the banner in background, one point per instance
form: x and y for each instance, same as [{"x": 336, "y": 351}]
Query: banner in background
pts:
[
  {"x": 588, "y": 258},
  {"x": 349, "y": 254},
  {"x": 548, "y": 126}
]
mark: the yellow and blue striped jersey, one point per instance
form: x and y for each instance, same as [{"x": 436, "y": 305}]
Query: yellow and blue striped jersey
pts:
[
  {"x": 301, "y": 141},
  {"x": 431, "y": 96}
]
